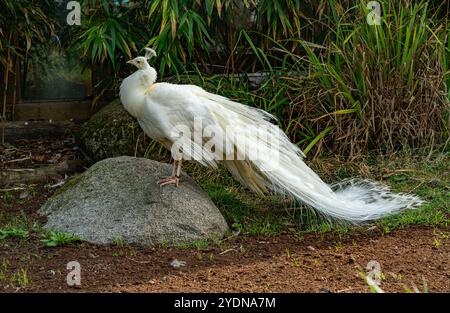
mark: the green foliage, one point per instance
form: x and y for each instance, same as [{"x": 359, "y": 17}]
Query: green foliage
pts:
[
  {"x": 179, "y": 31},
  {"x": 381, "y": 85},
  {"x": 108, "y": 32},
  {"x": 279, "y": 17},
  {"x": 335, "y": 82},
  {"x": 364, "y": 87},
  {"x": 13, "y": 232},
  {"x": 118, "y": 242},
  {"x": 21, "y": 23},
  {"x": 20, "y": 278},
  {"x": 16, "y": 279},
  {"x": 201, "y": 244},
  {"x": 186, "y": 33},
  {"x": 254, "y": 215},
  {"x": 55, "y": 239},
  {"x": 429, "y": 181}
]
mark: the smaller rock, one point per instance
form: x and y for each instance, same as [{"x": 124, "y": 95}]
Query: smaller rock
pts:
[
  {"x": 177, "y": 264},
  {"x": 24, "y": 195}
]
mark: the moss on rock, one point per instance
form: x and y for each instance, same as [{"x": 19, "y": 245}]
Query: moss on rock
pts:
[{"x": 111, "y": 132}]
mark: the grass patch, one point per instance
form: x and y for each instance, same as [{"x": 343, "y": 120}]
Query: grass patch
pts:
[
  {"x": 8, "y": 198},
  {"x": 271, "y": 215},
  {"x": 118, "y": 241},
  {"x": 55, "y": 239},
  {"x": 247, "y": 212},
  {"x": 429, "y": 181},
  {"x": 18, "y": 226},
  {"x": 13, "y": 232},
  {"x": 199, "y": 244},
  {"x": 20, "y": 278}
]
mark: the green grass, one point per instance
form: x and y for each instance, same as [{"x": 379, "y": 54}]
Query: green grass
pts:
[
  {"x": 4, "y": 270},
  {"x": 199, "y": 244},
  {"x": 20, "y": 278},
  {"x": 430, "y": 182},
  {"x": 245, "y": 212},
  {"x": 118, "y": 242},
  {"x": 254, "y": 216},
  {"x": 18, "y": 226},
  {"x": 13, "y": 232},
  {"x": 23, "y": 226}
]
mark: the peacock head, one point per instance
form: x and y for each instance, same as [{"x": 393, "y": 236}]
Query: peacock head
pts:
[{"x": 141, "y": 62}]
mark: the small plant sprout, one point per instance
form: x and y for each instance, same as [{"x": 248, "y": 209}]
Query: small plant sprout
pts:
[
  {"x": 13, "y": 232},
  {"x": 436, "y": 243},
  {"x": 118, "y": 241},
  {"x": 20, "y": 278},
  {"x": 55, "y": 239}
]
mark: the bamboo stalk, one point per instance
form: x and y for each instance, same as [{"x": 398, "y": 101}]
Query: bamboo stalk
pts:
[
  {"x": 14, "y": 98},
  {"x": 5, "y": 90},
  {"x": 5, "y": 87}
]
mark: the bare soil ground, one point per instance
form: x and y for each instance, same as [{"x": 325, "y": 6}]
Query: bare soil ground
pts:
[{"x": 409, "y": 258}]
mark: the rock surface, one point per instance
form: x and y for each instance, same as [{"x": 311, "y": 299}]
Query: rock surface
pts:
[
  {"x": 111, "y": 132},
  {"x": 119, "y": 198}
]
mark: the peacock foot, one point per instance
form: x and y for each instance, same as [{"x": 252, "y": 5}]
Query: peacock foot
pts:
[{"x": 169, "y": 180}]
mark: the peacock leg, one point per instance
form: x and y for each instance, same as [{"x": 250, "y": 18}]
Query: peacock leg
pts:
[{"x": 175, "y": 177}]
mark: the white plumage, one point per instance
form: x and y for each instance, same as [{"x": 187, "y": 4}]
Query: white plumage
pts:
[{"x": 161, "y": 108}]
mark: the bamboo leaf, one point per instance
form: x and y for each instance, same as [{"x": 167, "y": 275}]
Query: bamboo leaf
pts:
[{"x": 317, "y": 138}]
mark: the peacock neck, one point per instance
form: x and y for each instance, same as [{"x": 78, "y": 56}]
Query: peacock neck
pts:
[{"x": 151, "y": 73}]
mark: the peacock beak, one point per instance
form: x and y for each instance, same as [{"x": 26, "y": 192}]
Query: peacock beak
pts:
[{"x": 130, "y": 62}]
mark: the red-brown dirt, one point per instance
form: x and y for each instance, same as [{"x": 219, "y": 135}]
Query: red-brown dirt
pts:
[{"x": 407, "y": 258}]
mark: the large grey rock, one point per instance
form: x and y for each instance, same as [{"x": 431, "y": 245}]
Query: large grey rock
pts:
[{"x": 119, "y": 198}]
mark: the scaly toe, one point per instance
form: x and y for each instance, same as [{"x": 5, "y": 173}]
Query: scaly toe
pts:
[{"x": 169, "y": 180}]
